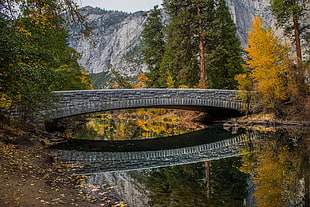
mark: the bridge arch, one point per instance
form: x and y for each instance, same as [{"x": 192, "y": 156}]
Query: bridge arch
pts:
[
  {"x": 98, "y": 162},
  {"x": 89, "y": 101}
]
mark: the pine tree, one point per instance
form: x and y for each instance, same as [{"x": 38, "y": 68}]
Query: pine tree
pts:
[
  {"x": 153, "y": 37},
  {"x": 290, "y": 15},
  {"x": 199, "y": 34},
  {"x": 185, "y": 41},
  {"x": 224, "y": 52}
]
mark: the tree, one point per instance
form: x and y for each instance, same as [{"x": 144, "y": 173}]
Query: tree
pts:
[
  {"x": 270, "y": 66},
  {"x": 153, "y": 37},
  {"x": 223, "y": 51},
  {"x": 201, "y": 18},
  {"x": 178, "y": 59},
  {"x": 185, "y": 50},
  {"x": 290, "y": 14},
  {"x": 33, "y": 51},
  {"x": 143, "y": 79}
]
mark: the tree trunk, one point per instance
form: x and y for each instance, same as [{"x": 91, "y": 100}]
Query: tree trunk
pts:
[
  {"x": 202, "y": 81},
  {"x": 298, "y": 47},
  {"x": 208, "y": 184}
]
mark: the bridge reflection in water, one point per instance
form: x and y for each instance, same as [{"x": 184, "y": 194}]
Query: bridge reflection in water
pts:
[{"x": 94, "y": 157}]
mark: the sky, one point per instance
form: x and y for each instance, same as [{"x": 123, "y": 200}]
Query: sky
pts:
[{"x": 121, "y": 5}]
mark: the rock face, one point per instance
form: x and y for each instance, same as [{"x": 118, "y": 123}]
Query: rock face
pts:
[
  {"x": 243, "y": 13},
  {"x": 115, "y": 40},
  {"x": 116, "y": 36}
]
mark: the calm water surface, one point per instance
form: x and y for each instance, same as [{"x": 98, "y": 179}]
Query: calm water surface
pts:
[{"x": 162, "y": 159}]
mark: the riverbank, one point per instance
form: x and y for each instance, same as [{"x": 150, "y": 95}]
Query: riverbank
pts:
[
  {"x": 30, "y": 177},
  {"x": 263, "y": 121}
]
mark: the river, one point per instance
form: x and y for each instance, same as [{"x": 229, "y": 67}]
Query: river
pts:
[{"x": 157, "y": 157}]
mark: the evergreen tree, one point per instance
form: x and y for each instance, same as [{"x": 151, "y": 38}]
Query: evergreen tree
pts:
[
  {"x": 224, "y": 53},
  {"x": 291, "y": 15},
  {"x": 182, "y": 49},
  {"x": 153, "y": 37}
]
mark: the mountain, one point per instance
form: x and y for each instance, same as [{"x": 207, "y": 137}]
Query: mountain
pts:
[{"x": 115, "y": 39}]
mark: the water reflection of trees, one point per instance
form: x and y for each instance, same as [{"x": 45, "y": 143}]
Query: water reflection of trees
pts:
[
  {"x": 139, "y": 124},
  {"x": 186, "y": 185},
  {"x": 280, "y": 165}
]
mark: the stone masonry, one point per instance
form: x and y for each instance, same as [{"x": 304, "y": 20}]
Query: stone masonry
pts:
[{"x": 88, "y": 101}]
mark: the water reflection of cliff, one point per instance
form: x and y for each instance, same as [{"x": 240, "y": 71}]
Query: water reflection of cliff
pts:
[{"x": 137, "y": 124}]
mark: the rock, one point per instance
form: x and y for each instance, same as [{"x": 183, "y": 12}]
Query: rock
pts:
[{"x": 115, "y": 38}]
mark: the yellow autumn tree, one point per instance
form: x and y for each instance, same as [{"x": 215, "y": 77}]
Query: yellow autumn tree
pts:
[
  {"x": 269, "y": 65},
  {"x": 142, "y": 78}
]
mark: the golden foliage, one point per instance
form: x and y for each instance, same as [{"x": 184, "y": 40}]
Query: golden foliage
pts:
[
  {"x": 85, "y": 80},
  {"x": 142, "y": 78},
  {"x": 269, "y": 63},
  {"x": 5, "y": 101},
  {"x": 140, "y": 124},
  {"x": 170, "y": 82},
  {"x": 275, "y": 176},
  {"x": 183, "y": 86}
]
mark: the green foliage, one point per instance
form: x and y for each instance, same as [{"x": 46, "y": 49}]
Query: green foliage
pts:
[
  {"x": 224, "y": 60},
  {"x": 180, "y": 58},
  {"x": 153, "y": 51},
  {"x": 100, "y": 80},
  {"x": 227, "y": 182},
  {"x": 186, "y": 186},
  {"x": 177, "y": 186},
  {"x": 34, "y": 53},
  {"x": 285, "y": 10}
]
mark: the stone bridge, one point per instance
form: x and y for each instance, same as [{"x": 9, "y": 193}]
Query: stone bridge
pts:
[
  {"x": 88, "y": 101},
  {"x": 98, "y": 162}
]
